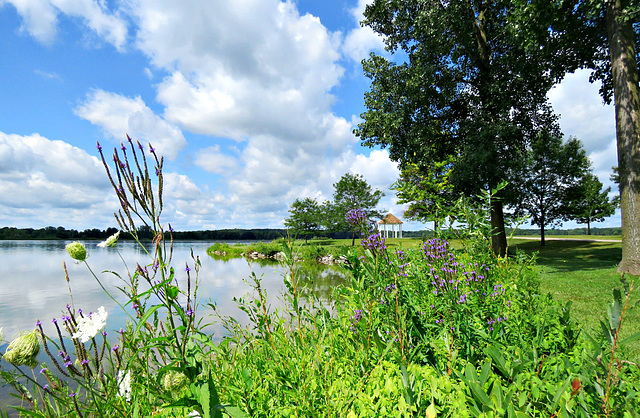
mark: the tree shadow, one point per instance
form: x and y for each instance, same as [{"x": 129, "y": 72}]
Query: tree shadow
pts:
[{"x": 566, "y": 255}]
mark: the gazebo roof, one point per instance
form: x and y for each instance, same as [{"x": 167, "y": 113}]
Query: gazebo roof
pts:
[{"x": 390, "y": 219}]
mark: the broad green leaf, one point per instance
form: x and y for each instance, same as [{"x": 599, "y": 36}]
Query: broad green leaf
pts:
[{"x": 631, "y": 339}]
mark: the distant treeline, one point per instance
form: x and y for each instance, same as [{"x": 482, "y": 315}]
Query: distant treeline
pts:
[{"x": 51, "y": 232}]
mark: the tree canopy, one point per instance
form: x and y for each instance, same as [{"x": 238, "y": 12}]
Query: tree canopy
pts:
[
  {"x": 426, "y": 190},
  {"x": 352, "y": 192},
  {"x": 552, "y": 173},
  {"x": 590, "y": 203},
  {"x": 471, "y": 90},
  {"x": 306, "y": 217}
]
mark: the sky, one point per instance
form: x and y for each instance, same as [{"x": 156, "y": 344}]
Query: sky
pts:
[{"x": 252, "y": 103}]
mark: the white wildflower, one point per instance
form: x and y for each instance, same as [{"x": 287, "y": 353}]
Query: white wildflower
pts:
[
  {"x": 1, "y": 334},
  {"x": 195, "y": 414},
  {"x": 124, "y": 384},
  {"x": 89, "y": 325},
  {"x": 111, "y": 241}
]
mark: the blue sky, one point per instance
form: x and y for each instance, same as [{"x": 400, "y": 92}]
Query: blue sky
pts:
[{"x": 252, "y": 103}]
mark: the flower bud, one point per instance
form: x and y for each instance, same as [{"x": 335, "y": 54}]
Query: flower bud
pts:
[
  {"x": 23, "y": 350},
  {"x": 77, "y": 251},
  {"x": 111, "y": 241},
  {"x": 174, "y": 380}
]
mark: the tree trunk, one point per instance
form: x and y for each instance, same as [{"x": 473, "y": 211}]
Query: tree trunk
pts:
[
  {"x": 588, "y": 227},
  {"x": 543, "y": 222},
  {"x": 499, "y": 235},
  {"x": 627, "y": 108}
]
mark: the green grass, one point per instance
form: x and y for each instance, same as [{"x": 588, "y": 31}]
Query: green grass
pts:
[
  {"x": 584, "y": 273},
  {"x": 580, "y": 237}
]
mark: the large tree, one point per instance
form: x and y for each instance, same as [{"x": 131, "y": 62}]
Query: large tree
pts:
[
  {"x": 613, "y": 55},
  {"x": 472, "y": 86},
  {"x": 590, "y": 203},
  {"x": 620, "y": 17},
  {"x": 553, "y": 171},
  {"x": 351, "y": 192},
  {"x": 427, "y": 190},
  {"x": 306, "y": 217}
]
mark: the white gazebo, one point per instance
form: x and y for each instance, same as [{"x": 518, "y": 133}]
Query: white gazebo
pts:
[{"x": 394, "y": 222}]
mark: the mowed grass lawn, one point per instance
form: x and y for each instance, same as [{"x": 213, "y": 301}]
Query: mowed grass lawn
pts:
[{"x": 584, "y": 272}]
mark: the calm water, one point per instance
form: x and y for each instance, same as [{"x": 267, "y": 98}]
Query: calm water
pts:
[{"x": 33, "y": 285}]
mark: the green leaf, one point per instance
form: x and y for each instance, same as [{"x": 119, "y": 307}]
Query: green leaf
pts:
[
  {"x": 631, "y": 339},
  {"x": 606, "y": 331},
  {"x": 615, "y": 311},
  {"x": 471, "y": 379},
  {"x": 406, "y": 385},
  {"x": 501, "y": 363},
  {"x": 172, "y": 292},
  {"x": 484, "y": 372},
  {"x": 235, "y": 412},
  {"x": 561, "y": 389},
  {"x": 144, "y": 319},
  {"x": 496, "y": 394}
]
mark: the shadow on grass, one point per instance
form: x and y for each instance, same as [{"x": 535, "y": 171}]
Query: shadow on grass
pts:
[{"x": 572, "y": 255}]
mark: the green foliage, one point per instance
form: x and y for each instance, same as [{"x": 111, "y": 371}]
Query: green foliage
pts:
[
  {"x": 429, "y": 331},
  {"x": 469, "y": 88},
  {"x": 351, "y": 192},
  {"x": 589, "y": 203},
  {"x": 553, "y": 171},
  {"x": 306, "y": 217},
  {"x": 427, "y": 190}
]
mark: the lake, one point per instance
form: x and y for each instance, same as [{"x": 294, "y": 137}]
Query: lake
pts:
[{"x": 33, "y": 285}]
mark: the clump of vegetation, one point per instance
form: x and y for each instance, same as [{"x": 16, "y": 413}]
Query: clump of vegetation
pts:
[{"x": 428, "y": 331}]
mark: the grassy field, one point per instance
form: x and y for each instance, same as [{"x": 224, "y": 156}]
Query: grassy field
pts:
[{"x": 584, "y": 273}]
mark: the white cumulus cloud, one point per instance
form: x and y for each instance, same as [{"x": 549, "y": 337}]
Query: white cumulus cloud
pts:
[
  {"x": 361, "y": 40},
  {"x": 40, "y": 19},
  {"x": 41, "y": 179},
  {"x": 213, "y": 160},
  {"x": 118, "y": 115}
]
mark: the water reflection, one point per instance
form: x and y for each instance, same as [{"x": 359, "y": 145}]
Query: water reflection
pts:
[{"x": 33, "y": 285}]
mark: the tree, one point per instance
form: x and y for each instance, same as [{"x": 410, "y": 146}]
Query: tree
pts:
[
  {"x": 427, "y": 190},
  {"x": 613, "y": 55},
  {"x": 472, "y": 87},
  {"x": 553, "y": 171},
  {"x": 351, "y": 192},
  {"x": 306, "y": 217},
  {"x": 589, "y": 203},
  {"x": 624, "y": 73}
]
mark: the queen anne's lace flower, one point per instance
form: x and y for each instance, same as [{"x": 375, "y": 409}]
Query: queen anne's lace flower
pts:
[
  {"x": 124, "y": 384},
  {"x": 174, "y": 380},
  {"x": 77, "y": 251},
  {"x": 111, "y": 241},
  {"x": 23, "y": 350},
  {"x": 90, "y": 325}
]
